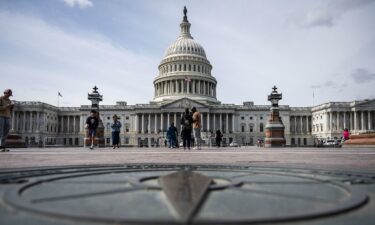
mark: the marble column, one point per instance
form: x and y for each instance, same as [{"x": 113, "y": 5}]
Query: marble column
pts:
[
  {"x": 202, "y": 120},
  {"x": 193, "y": 91},
  {"x": 31, "y": 122},
  {"x": 143, "y": 123},
  {"x": 369, "y": 121},
  {"x": 344, "y": 124},
  {"x": 81, "y": 125},
  {"x": 168, "y": 120},
  {"x": 295, "y": 124},
  {"x": 13, "y": 115},
  {"x": 136, "y": 123},
  {"x": 330, "y": 121},
  {"x": 182, "y": 86},
  {"x": 233, "y": 127},
  {"x": 175, "y": 119},
  {"x": 149, "y": 123},
  {"x": 24, "y": 121},
  {"x": 307, "y": 124},
  {"x": 362, "y": 121},
  {"x": 227, "y": 123},
  {"x": 208, "y": 121},
  {"x": 220, "y": 123},
  {"x": 301, "y": 124},
  {"x": 161, "y": 122},
  {"x": 355, "y": 121},
  {"x": 37, "y": 124},
  {"x": 156, "y": 123},
  {"x": 337, "y": 121},
  {"x": 68, "y": 124},
  {"x": 214, "y": 123}
]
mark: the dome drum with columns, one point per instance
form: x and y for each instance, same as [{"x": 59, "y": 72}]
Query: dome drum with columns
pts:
[{"x": 185, "y": 71}]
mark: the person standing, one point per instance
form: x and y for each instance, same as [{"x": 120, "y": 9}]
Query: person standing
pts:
[
  {"x": 218, "y": 138},
  {"x": 172, "y": 135},
  {"x": 186, "y": 122},
  {"x": 92, "y": 123},
  {"x": 6, "y": 107},
  {"x": 346, "y": 134},
  {"x": 196, "y": 128},
  {"x": 116, "y": 126}
]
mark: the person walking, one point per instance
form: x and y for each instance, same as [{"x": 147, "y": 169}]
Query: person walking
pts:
[
  {"x": 172, "y": 135},
  {"x": 186, "y": 122},
  {"x": 116, "y": 126},
  {"x": 196, "y": 128},
  {"x": 218, "y": 138},
  {"x": 92, "y": 123},
  {"x": 6, "y": 107}
]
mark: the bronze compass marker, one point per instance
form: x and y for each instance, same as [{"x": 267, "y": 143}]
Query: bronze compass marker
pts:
[{"x": 185, "y": 190}]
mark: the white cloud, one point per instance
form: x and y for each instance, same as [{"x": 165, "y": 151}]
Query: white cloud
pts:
[
  {"x": 79, "y": 3},
  {"x": 362, "y": 75},
  {"x": 327, "y": 15},
  {"x": 51, "y": 59}
]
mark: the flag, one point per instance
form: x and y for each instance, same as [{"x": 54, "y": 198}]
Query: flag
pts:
[
  {"x": 60, "y": 95},
  {"x": 187, "y": 79}
]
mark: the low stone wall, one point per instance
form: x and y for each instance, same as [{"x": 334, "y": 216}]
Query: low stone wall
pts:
[{"x": 361, "y": 140}]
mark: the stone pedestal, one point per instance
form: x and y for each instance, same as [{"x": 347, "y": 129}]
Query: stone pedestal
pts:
[
  {"x": 95, "y": 98},
  {"x": 274, "y": 127}
]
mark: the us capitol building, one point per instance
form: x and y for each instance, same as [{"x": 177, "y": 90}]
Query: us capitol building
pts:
[{"x": 185, "y": 80}]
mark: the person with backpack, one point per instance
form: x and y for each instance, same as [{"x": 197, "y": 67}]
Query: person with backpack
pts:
[
  {"x": 172, "y": 136},
  {"x": 92, "y": 123},
  {"x": 186, "y": 122},
  {"x": 116, "y": 126}
]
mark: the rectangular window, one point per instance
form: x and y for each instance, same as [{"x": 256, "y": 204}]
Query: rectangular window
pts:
[
  {"x": 242, "y": 128},
  {"x": 242, "y": 118}
]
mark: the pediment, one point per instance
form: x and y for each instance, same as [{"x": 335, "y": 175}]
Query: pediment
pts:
[{"x": 183, "y": 103}]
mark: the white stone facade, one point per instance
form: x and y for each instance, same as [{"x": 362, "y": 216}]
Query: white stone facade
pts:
[{"x": 185, "y": 80}]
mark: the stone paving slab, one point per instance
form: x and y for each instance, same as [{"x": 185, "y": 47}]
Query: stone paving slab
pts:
[{"x": 360, "y": 159}]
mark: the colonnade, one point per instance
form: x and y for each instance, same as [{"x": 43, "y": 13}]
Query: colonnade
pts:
[
  {"x": 146, "y": 123},
  {"x": 185, "y": 86},
  {"x": 69, "y": 124},
  {"x": 28, "y": 121},
  {"x": 359, "y": 120},
  {"x": 174, "y": 67},
  {"x": 300, "y": 124}
]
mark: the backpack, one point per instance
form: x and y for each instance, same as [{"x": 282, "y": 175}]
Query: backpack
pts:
[{"x": 187, "y": 123}]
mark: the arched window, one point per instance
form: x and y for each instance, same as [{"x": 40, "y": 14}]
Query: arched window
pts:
[
  {"x": 175, "y": 67},
  {"x": 194, "y": 68},
  {"x": 189, "y": 67},
  {"x": 199, "y": 68},
  {"x": 184, "y": 67},
  {"x": 261, "y": 127},
  {"x": 179, "y": 67}
]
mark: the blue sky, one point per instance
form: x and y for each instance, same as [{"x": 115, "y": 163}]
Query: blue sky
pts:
[{"x": 72, "y": 45}]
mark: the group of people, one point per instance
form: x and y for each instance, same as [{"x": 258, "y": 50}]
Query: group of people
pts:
[
  {"x": 191, "y": 124},
  {"x": 92, "y": 123}
]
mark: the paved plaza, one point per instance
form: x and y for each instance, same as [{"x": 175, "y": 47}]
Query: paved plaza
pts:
[
  {"x": 360, "y": 159},
  {"x": 243, "y": 185}
]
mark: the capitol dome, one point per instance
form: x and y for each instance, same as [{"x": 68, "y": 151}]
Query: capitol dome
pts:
[{"x": 185, "y": 70}]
